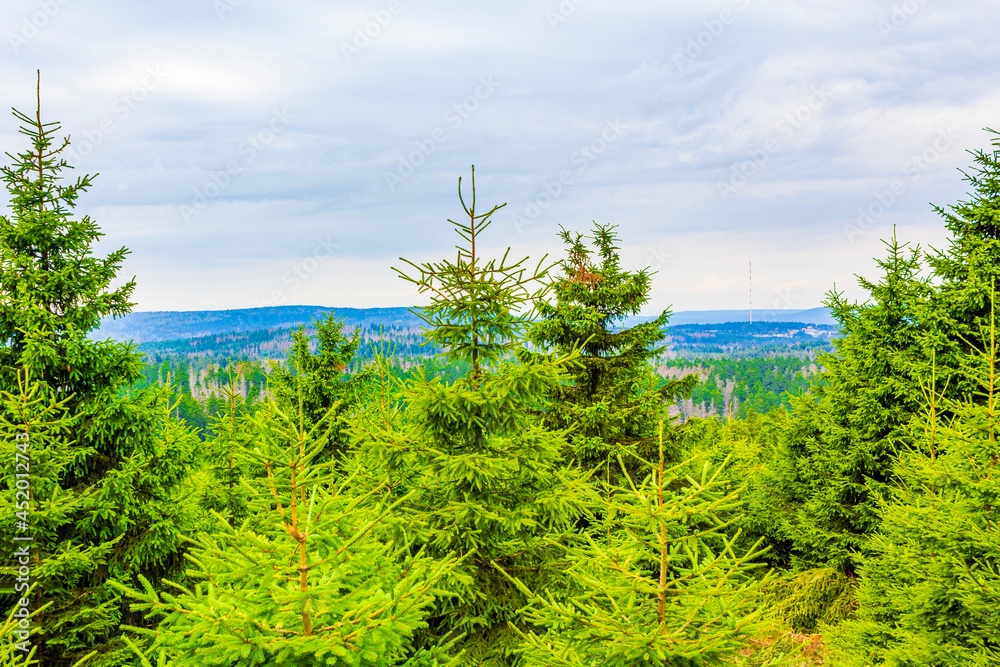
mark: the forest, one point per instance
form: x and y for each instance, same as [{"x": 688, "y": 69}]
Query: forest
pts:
[
  {"x": 532, "y": 495},
  {"x": 756, "y": 374}
]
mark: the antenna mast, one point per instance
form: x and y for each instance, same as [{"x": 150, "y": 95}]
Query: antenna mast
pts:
[{"x": 751, "y": 289}]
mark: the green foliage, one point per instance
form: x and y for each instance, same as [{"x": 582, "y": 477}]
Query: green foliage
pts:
[
  {"x": 613, "y": 400},
  {"x": 758, "y": 461},
  {"x": 307, "y": 578},
  {"x": 108, "y": 469},
  {"x": 83, "y": 536},
  {"x": 843, "y": 440},
  {"x": 495, "y": 505},
  {"x": 930, "y": 592},
  {"x": 319, "y": 379},
  {"x": 662, "y": 586},
  {"x": 485, "y": 474},
  {"x": 959, "y": 309},
  {"x": 808, "y": 599},
  {"x": 474, "y": 310},
  {"x": 49, "y": 281},
  {"x": 226, "y": 459}
]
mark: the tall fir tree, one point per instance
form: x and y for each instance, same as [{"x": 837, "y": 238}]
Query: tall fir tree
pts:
[
  {"x": 663, "y": 585},
  {"x": 842, "y": 440},
  {"x": 486, "y": 476},
  {"x": 77, "y": 540},
  {"x": 843, "y": 443},
  {"x": 930, "y": 585},
  {"x": 124, "y": 459},
  {"x": 52, "y": 284},
  {"x": 965, "y": 274},
  {"x": 312, "y": 576},
  {"x": 615, "y": 399}
]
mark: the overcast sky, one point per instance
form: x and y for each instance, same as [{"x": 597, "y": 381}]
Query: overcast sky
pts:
[{"x": 257, "y": 152}]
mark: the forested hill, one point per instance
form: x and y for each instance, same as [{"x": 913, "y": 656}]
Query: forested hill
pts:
[
  {"x": 809, "y": 316},
  {"x": 147, "y": 327},
  {"x": 175, "y": 325}
]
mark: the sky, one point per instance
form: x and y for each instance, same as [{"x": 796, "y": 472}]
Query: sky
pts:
[{"x": 256, "y": 152}]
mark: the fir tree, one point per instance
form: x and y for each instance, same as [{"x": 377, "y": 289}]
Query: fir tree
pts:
[
  {"x": 965, "y": 272},
  {"x": 613, "y": 402},
  {"x": 119, "y": 466},
  {"x": 321, "y": 376},
  {"x": 226, "y": 460},
  {"x": 50, "y": 282},
  {"x": 662, "y": 586},
  {"x": 842, "y": 441},
  {"x": 485, "y": 472},
  {"x": 309, "y": 577},
  {"x": 843, "y": 444},
  {"x": 81, "y": 538},
  {"x": 930, "y": 588}
]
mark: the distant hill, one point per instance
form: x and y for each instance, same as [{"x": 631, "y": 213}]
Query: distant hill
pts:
[
  {"x": 809, "y": 316},
  {"x": 255, "y": 333},
  {"x": 739, "y": 339},
  {"x": 148, "y": 327},
  {"x": 176, "y": 325}
]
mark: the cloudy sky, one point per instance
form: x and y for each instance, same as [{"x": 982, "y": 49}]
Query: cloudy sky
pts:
[{"x": 265, "y": 152}]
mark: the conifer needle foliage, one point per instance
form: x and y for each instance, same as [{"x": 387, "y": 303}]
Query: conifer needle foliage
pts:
[
  {"x": 930, "y": 593},
  {"x": 613, "y": 403},
  {"x": 488, "y": 479},
  {"x": 661, "y": 586},
  {"x": 107, "y": 499},
  {"x": 476, "y": 309},
  {"x": 307, "y": 578}
]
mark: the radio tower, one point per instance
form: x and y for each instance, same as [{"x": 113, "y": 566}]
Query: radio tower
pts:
[{"x": 751, "y": 289}]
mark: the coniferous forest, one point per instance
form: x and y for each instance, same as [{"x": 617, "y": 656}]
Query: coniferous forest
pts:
[{"x": 527, "y": 497}]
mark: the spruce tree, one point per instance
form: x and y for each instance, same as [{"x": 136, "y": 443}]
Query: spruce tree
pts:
[
  {"x": 844, "y": 442},
  {"x": 311, "y": 576},
  {"x": 321, "y": 376},
  {"x": 930, "y": 587},
  {"x": 81, "y": 538},
  {"x": 123, "y": 460},
  {"x": 930, "y": 583},
  {"x": 613, "y": 401},
  {"x": 663, "y": 585},
  {"x": 485, "y": 474},
  {"x": 225, "y": 463},
  {"x": 965, "y": 273},
  {"x": 50, "y": 282},
  {"x": 841, "y": 443}
]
